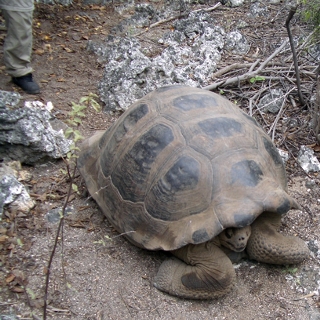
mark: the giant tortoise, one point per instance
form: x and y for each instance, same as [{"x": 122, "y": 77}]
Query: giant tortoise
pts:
[{"x": 185, "y": 170}]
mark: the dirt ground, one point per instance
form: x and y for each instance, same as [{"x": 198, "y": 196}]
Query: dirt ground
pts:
[{"x": 96, "y": 273}]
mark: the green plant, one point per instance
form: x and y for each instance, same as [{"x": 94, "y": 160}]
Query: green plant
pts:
[
  {"x": 257, "y": 78},
  {"x": 311, "y": 13},
  {"x": 290, "y": 270},
  {"x": 75, "y": 115}
]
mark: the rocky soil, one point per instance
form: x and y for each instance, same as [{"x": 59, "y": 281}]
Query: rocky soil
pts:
[{"x": 96, "y": 273}]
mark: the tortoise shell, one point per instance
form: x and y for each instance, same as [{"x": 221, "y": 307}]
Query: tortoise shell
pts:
[{"x": 181, "y": 165}]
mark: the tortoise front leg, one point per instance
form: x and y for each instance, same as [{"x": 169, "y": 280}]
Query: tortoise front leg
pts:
[
  {"x": 267, "y": 245},
  {"x": 202, "y": 271}
]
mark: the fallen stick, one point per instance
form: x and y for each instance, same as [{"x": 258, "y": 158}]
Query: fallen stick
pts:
[
  {"x": 229, "y": 68},
  {"x": 247, "y": 75}
]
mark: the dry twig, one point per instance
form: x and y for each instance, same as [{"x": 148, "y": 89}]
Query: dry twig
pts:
[
  {"x": 294, "y": 55},
  {"x": 60, "y": 227},
  {"x": 249, "y": 74}
]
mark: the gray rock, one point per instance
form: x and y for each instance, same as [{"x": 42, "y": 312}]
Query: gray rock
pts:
[
  {"x": 54, "y": 215},
  {"x": 233, "y": 3},
  {"x": 307, "y": 160},
  {"x": 310, "y": 184},
  {"x": 313, "y": 246},
  {"x": 284, "y": 155},
  {"x": 237, "y": 43},
  {"x": 309, "y": 280},
  {"x": 258, "y": 9},
  {"x": 9, "y": 317},
  {"x": 12, "y": 192},
  {"x": 190, "y": 56},
  {"x": 314, "y": 314},
  {"x": 8, "y": 98},
  {"x": 31, "y": 134},
  {"x": 272, "y": 101}
]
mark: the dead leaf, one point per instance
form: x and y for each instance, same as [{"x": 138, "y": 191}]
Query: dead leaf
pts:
[
  {"x": 72, "y": 197},
  {"x": 20, "y": 277},
  {"x": 10, "y": 278},
  {"x": 3, "y": 238},
  {"x": 39, "y": 197},
  {"x": 95, "y": 7},
  {"x": 46, "y": 38},
  {"x": 27, "y": 246},
  {"x": 45, "y": 270},
  {"x": 61, "y": 80},
  {"x": 48, "y": 47},
  {"x": 291, "y": 136},
  {"x": 17, "y": 289},
  {"x": 68, "y": 49},
  {"x": 40, "y": 52}
]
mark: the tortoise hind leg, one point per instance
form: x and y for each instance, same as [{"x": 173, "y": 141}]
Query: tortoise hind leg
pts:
[
  {"x": 267, "y": 245},
  {"x": 202, "y": 271}
]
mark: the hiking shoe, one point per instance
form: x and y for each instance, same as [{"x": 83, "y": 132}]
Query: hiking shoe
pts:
[{"x": 27, "y": 84}]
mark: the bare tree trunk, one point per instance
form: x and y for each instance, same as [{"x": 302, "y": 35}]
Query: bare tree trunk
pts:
[{"x": 316, "y": 112}]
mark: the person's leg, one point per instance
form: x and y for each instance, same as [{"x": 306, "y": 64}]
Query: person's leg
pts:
[
  {"x": 18, "y": 43},
  {"x": 18, "y": 48}
]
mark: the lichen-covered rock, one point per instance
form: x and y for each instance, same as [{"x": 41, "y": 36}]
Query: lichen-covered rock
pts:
[
  {"x": 13, "y": 192},
  {"x": 237, "y": 43},
  {"x": 258, "y": 9},
  {"x": 272, "y": 101},
  {"x": 31, "y": 134},
  {"x": 307, "y": 160},
  {"x": 8, "y": 98},
  {"x": 190, "y": 56},
  {"x": 232, "y": 3}
]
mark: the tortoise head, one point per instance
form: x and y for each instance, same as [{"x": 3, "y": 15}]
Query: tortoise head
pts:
[{"x": 235, "y": 238}]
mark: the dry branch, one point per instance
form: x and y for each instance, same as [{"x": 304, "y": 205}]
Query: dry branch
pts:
[
  {"x": 274, "y": 125},
  {"x": 294, "y": 55},
  {"x": 316, "y": 113},
  {"x": 249, "y": 74},
  {"x": 231, "y": 67},
  {"x": 59, "y": 230}
]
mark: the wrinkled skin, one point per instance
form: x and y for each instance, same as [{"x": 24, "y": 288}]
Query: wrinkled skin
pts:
[{"x": 205, "y": 271}]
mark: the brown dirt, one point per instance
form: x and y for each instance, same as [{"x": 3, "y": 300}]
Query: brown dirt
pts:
[{"x": 96, "y": 273}]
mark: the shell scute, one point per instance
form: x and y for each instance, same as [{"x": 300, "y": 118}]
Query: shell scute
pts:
[
  {"x": 110, "y": 142},
  {"x": 194, "y": 101},
  {"x": 246, "y": 172},
  {"x": 221, "y": 127},
  {"x": 130, "y": 175}
]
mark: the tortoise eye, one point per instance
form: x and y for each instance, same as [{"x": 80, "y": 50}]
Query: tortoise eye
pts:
[{"x": 229, "y": 233}]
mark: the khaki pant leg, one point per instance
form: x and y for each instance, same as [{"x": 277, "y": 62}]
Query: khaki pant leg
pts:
[{"x": 18, "y": 42}]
